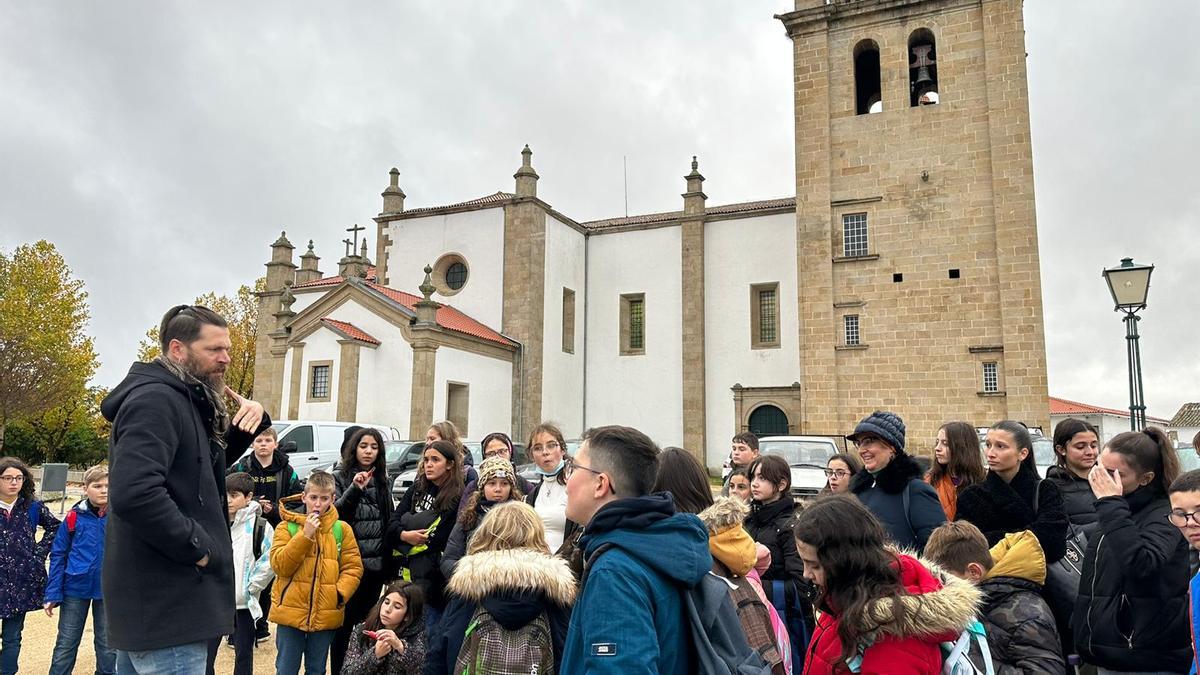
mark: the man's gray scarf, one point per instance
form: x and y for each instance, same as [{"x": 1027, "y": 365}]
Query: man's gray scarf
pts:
[{"x": 215, "y": 398}]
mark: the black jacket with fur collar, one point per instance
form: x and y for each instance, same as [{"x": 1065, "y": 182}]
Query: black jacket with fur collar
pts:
[
  {"x": 998, "y": 508},
  {"x": 884, "y": 493}
]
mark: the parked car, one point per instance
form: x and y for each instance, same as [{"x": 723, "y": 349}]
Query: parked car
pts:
[
  {"x": 807, "y": 456},
  {"x": 407, "y": 459},
  {"x": 315, "y": 444}
]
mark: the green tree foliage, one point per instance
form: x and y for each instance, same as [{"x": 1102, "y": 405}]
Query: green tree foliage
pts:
[
  {"x": 241, "y": 312},
  {"x": 46, "y": 356},
  {"x": 75, "y": 433}
]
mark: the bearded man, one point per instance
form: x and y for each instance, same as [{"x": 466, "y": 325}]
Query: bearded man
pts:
[{"x": 168, "y": 562}]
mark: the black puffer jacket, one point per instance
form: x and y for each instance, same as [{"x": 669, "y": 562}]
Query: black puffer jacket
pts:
[
  {"x": 883, "y": 493},
  {"x": 999, "y": 508},
  {"x": 1078, "y": 500},
  {"x": 1132, "y": 610},
  {"x": 771, "y": 526},
  {"x": 368, "y": 515}
]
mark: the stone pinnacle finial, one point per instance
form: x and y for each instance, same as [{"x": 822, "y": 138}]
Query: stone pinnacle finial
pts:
[
  {"x": 427, "y": 288},
  {"x": 310, "y": 248},
  {"x": 286, "y": 298},
  {"x": 695, "y": 164},
  {"x": 526, "y": 156},
  {"x": 395, "y": 174},
  {"x": 393, "y": 196},
  {"x": 526, "y": 177},
  {"x": 282, "y": 240},
  {"x": 363, "y": 248}
]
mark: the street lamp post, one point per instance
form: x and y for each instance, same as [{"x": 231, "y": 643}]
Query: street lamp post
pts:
[{"x": 1129, "y": 284}]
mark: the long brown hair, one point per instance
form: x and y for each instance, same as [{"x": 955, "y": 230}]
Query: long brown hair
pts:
[
  {"x": 350, "y": 455},
  {"x": 859, "y": 570},
  {"x": 680, "y": 474},
  {"x": 414, "y": 601},
  {"x": 451, "y": 489},
  {"x": 966, "y": 459}
]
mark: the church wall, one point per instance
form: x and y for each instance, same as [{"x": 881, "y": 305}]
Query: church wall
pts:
[
  {"x": 562, "y": 372},
  {"x": 304, "y": 299},
  {"x": 478, "y": 236},
  {"x": 489, "y": 399},
  {"x": 385, "y": 372},
  {"x": 737, "y": 254},
  {"x": 320, "y": 346},
  {"x": 643, "y": 391}
]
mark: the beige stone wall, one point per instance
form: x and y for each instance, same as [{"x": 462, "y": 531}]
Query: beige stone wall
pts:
[
  {"x": 524, "y": 305},
  {"x": 948, "y": 186}
]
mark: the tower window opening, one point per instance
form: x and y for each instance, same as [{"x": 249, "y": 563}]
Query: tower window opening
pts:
[
  {"x": 922, "y": 68},
  {"x": 868, "y": 94}
]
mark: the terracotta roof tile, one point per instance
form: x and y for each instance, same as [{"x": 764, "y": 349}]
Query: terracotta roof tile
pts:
[
  {"x": 333, "y": 281},
  {"x": 667, "y": 216},
  {"x": 495, "y": 198},
  {"x": 1188, "y": 416},
  {"x": 447, "y": 316},
  {"x": 1061, "y": 406},
  {"x": 349, "y": 330}
]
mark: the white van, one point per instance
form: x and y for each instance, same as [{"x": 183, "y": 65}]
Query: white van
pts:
[{"x": 314, "y": 444}]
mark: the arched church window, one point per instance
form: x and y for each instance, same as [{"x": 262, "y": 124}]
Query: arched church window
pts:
[
  {"x": 868, "y": 91},
  {"x": 922, "y": 68}
]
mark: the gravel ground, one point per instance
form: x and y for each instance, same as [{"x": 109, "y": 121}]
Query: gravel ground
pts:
[{"x": 37, "y": 645}]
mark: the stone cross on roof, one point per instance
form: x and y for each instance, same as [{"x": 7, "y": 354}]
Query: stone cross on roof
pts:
[{"x": 356, "y": 229}]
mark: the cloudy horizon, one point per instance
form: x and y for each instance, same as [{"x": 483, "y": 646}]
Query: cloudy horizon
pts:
[{"x": 162, "y": 147}]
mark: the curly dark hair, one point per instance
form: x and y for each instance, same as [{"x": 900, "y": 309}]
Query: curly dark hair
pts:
[{"x": 29, "y": 486}]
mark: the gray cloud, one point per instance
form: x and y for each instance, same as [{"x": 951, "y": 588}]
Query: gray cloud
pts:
[{"x": 163, "y": 146}]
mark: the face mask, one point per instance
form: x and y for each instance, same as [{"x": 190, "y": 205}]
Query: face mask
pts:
[{"x": 547, "y": 474}]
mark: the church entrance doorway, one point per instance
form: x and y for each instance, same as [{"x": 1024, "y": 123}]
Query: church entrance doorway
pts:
[{"x": 767, "y": 420}]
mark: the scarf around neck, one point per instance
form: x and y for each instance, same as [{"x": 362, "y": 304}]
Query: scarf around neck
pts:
[{"x": 215, "y": 398}]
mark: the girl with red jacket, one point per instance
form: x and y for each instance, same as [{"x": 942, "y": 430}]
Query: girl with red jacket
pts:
[{"x": 881, "y": 611}]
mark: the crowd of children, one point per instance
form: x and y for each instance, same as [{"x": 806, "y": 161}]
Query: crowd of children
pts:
[{"x": 429, "y": 587}]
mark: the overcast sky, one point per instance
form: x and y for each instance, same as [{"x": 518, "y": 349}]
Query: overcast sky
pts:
[{"x": 162, "y": 146}]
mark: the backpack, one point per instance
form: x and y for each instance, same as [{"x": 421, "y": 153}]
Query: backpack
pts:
[
  {"x": 490, "y": 649},
  {"x": 260, "y": 527},
  {"x": 293, "y": 528},
  {"x": 718, "y": 643},
  {"x": 755, "y": 620},
  {"x": 969, "y": 654}
]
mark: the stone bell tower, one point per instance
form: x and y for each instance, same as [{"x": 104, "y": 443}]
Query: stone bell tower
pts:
[
  {"x": 919, "y": 284},
  {"x": 268, "y": 360}
]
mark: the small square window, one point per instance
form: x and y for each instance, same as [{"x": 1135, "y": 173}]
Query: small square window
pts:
[
  {"x": 850, "y": 326},
  {"x": 854, "y": 235},
  {"x": 991, "y": 377},
  {"x": 897, "y": 277},
  {"x": 954, "y": 273}
]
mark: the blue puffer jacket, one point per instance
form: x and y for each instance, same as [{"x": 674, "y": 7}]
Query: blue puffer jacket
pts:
[
  {"x": 629, "y": 618},
  {"x": 883, "y": 493},
  {"x": 75, "y": 573},
  {"x": 1194, "y": 617}
]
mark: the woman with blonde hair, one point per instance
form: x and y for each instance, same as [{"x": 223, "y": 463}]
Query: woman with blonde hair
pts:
[{"x": 507, "y": 585}]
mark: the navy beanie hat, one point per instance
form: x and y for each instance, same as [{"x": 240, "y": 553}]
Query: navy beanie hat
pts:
[{"x": 886, "y": 425}]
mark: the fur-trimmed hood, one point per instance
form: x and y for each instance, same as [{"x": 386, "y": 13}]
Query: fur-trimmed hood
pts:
[
  {"x": 729, "y": 542},
  {"x": 892, "y": 479},
  {"x": 724, "y": 514},
  {"x": 938, "y": 604},
  {"x": 493, "y": 573}
]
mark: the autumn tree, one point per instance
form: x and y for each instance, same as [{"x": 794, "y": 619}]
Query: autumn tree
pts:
[
  {"x": 74, "y": 432},
  {"x": 46, "y": 356},
  {"x": 241, "y": 312}
]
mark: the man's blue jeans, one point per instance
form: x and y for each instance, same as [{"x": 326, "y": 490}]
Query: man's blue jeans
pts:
[
  {"x": 189, "y": 659},
  {"x": 293, "y": 644},
  {"x": 72, "y": 616},
  {"x": 10, "y": 643}
]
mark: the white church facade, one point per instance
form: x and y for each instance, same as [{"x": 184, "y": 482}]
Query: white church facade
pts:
[{"x": 902, "y": 274}]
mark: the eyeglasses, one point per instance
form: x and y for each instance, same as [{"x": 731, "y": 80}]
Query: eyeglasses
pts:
[
  {"x": 864, "y": 442},
  {"x": 503, "y": 452},
  {"x": 570, "y": 465},
  {"x": 836, "y": 473},
  {"x": 1180, "y": 518},
  {"x": 549, "y": 447},
  {"x": 13, "y": 479}
]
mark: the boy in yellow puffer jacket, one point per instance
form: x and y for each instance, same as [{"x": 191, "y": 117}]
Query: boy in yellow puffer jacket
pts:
[{"x": 317, "y": 568}]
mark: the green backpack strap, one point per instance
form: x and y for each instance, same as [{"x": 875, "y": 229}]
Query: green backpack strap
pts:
[{"x": 338, "y": 533}]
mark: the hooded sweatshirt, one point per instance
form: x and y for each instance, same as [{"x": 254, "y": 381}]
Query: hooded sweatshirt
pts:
[
  {"x": 1020, "y": 627},
  {"x": 515, "y": 587},
  {"x": 629, "y": 618},
  {"x": 315, "y": 578},
  {"x": 936, "y": 610},
  {"x": 250, "y": 575},
  {"x": 274, "y": 482}
]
